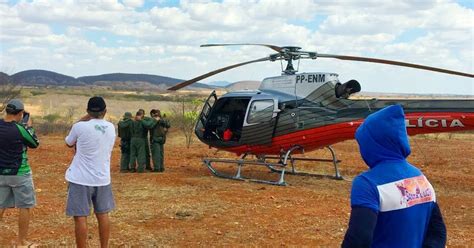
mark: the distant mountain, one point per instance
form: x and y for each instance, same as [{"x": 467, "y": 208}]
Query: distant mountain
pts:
[
  {"x": 243, "y": 85},
  {"x": 221, "y": 84},
  {"x": 126, "y": 77},
  {"x": 116, "y": 80},
  {"x": 4, "y": 78},
  {"x": 135, "y": 80},
  {"x": 43, "y": 78}
]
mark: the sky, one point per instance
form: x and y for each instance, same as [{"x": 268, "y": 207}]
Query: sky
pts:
[{"x": 80, "y": 38}]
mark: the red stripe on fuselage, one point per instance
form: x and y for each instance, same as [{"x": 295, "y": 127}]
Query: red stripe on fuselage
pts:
[{"x": 319, "y": 137}]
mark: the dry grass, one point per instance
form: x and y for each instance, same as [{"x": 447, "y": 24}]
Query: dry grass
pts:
[
  {"x": 49, "y": 103},
  {"x": 187, "y": 207}
]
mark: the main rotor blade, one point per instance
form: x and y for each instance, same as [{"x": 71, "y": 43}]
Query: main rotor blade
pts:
[
  {"x": 188, "y": 82},
  {"x": 276, "y": 48},
  {"x": 391, "y": 62}
]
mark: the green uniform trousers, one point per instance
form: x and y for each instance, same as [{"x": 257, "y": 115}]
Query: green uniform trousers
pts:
[
  {"x": 157, "y": 154},
  {"x": 147, "y": 154},
  {"x": 125, "y": 155},
  {"x": 137, "y": 154}
]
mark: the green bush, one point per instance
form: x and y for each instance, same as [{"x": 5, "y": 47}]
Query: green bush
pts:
[
  {"x": 37, "y": 93},
  {"x": 52, "y": 118},
  {"x": 46, "y": 128}
]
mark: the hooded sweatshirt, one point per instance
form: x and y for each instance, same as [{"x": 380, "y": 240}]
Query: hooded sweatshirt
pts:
[{"x": 397, "y": 192}]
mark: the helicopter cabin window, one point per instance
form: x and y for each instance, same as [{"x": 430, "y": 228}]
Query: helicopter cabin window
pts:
[
  {"x": 260, "y": 111},
  {"x": 226, "y": 120}
]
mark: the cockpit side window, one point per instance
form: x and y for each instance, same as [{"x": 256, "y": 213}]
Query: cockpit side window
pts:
[{"x": 260, "y": 111}]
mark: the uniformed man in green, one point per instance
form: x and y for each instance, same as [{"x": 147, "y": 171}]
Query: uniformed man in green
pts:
[
  {"x": 124, "y": 132},
  {"x": 147, "y": 145},
  {"x": 158, "y": 132},
  {"x": 137, "y": 144}
]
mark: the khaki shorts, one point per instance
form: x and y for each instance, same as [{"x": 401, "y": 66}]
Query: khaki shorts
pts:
[{"x": 17, "y": 191}]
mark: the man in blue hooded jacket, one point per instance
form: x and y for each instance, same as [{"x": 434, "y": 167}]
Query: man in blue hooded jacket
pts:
[{"x": 393, "y": 204}]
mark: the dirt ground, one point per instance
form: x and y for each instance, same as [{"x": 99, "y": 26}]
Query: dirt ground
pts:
[{"x": 187, "y": 207}]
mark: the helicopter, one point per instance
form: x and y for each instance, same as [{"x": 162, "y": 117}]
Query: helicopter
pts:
[{"x": 300, "y": 112}]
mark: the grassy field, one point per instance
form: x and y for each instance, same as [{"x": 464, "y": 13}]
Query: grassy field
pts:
[{"x": 71, "y": 103}]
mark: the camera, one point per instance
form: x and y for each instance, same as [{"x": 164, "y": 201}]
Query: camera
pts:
[{"x": 26, "y": 117}]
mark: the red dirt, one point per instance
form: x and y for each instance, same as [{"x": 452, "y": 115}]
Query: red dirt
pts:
[{"x": 186, "y": 206}]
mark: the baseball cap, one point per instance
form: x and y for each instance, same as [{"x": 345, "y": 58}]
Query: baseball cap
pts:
[
  {"x": 15, "y": 105},
  {"x": 127, "y": 115},
  {"x": 96, "y": 104}
]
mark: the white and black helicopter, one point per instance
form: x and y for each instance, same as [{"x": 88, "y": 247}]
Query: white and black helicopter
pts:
[{"x": 298, "y": 112}]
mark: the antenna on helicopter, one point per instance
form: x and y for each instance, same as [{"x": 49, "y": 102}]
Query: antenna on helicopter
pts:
[{"x": 291, "y": 53}]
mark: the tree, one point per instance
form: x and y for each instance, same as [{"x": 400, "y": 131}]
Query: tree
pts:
[
  {"x": 70, "y": 113},
  {"x": 8, "y": 90},
  {"x": 184, "y": 117}
]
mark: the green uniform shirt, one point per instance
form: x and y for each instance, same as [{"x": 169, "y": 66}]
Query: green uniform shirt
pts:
[
  {"x": 124, "y": 129},
  {"x": 137, "y": 129},
  {"x": 160, "y": 128},
  {"x": 147, "y": 124}
]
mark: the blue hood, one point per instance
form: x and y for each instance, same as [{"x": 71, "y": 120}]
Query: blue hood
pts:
[{"x": 383, "y": 136}]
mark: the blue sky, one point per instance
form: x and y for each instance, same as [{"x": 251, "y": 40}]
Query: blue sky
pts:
[{"x": 80, "y": 38}]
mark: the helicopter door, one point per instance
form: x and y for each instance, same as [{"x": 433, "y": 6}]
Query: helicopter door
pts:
[
  {"x": 259, "y": 122},
  {"x": 204, "y": 116}
]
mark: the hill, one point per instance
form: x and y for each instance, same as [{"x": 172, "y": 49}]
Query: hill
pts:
[
  {"x": 44, "y": 78},
  {"x": 243, "y": 85},
  {"x": 125, "y": 79},
  {"x": 221, "y": 84},
  {"x": 4, "y": 78},
  {"x": 116, "y": 80}
]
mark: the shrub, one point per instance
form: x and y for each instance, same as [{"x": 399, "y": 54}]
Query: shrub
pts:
[
  {"x": 184, "y": 116},
  {"x": 52, "y": 118},
  {"x": 37, "y": 93},
  {"x": 55, "y": 124},
  {"x": 47, "y": 128}
]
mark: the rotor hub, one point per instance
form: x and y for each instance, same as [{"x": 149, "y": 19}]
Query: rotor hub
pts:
[{"x": 291, "y": 48}]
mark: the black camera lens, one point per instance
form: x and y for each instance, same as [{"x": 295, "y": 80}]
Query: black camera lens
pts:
[{"x": 26, "y": 117}]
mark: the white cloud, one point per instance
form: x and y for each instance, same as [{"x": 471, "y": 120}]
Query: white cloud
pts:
[
  {"x": 12, "y": 27},
  {"x": 84, "y": 14},
  {"x": 96, "y": 37},
  {"x": 363, "y": 24},
  {"x": 133, "y": 3},
  {"x": 449, "y": 16}
]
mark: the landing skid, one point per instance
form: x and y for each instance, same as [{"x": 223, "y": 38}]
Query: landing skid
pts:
[
  {"x": 279, "y": 166},
  {"x": 293, "y": 171},
  {"x": 240, "y": 163}
]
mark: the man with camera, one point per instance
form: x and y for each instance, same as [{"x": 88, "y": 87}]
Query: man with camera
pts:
[{"x": 16, "y": 182}]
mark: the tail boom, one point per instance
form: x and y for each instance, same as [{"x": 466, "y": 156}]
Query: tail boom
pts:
[{"x": 319, "y": 137}]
